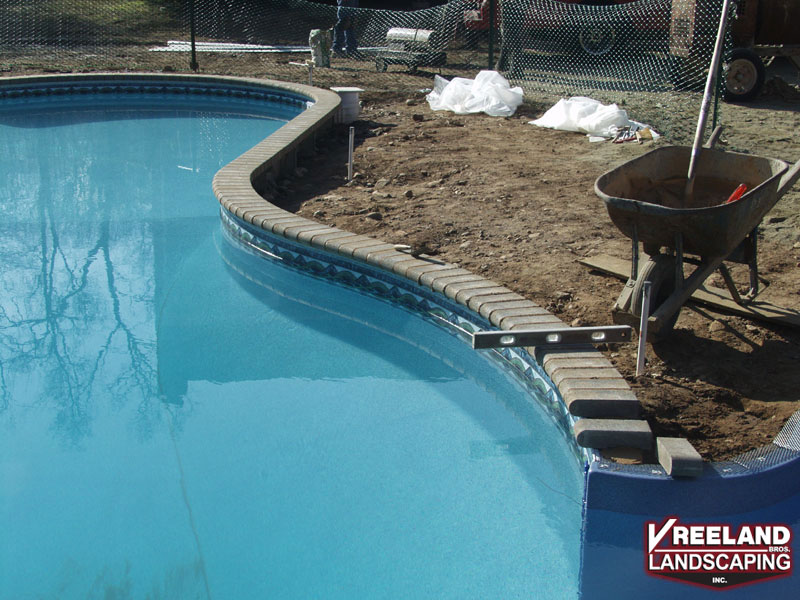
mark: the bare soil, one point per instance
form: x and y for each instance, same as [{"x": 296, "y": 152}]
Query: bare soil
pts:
[{"x": 515, "y": 203}]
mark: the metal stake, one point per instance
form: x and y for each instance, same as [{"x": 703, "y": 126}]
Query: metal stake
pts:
[
  {"x": 350, "y": 154},
  {"x": 640, "y": 355}
]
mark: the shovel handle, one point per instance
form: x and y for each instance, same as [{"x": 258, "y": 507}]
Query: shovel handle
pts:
[{"x": 788, "y": 179}]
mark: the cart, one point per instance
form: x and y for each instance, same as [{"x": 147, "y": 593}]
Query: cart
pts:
[
  {"x": 762, "y": 29},
  {"x": 413, "y": 48},
  {"x": 645, "y": 200}
]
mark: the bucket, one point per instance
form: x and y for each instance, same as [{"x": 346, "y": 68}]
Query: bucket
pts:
[{"x": 350, "y": 107}]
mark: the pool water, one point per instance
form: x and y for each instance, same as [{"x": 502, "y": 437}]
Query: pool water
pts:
[{"x": 183, "y": 418}]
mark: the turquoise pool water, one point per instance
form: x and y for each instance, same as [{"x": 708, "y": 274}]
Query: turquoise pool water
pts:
[{"x": 182, "y": 418}]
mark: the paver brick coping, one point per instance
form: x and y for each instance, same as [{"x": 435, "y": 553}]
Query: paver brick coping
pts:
[{"x": 583, "y": 369}]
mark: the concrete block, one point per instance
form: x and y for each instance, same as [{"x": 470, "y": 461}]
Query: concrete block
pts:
[
  {"x": 476, "y": 302},
  {"x": 488, "y": 309},
  {"x": 560, "y": 375},
  {"x": 608, "y": 433},
  {"x": 294, "y": 233},
  {"x": 442, "y": 283},
  {"x": 415, "y": 273},
  {"x": 432, "y": 279},
  {"x": 402, "y": 267},
  {"x": 452, "y": 290},
  {"x": 348, "y": 247},
  {"x": 364, "y": 252},
  {"x": 464, "y": 296},
  {"x": 534, "y": 322},
  {"x": 602, "y": 404},
  {"x": 526, "y": 311},
  {"x": 546, "y": 354},
  {"x": 678, "y": 457}
]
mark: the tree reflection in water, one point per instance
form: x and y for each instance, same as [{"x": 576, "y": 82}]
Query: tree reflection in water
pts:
[{"x": 82, "y": 263}]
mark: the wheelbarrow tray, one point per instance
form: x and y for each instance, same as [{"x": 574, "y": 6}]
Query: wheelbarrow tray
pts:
[{"x": 644, "y": 198}]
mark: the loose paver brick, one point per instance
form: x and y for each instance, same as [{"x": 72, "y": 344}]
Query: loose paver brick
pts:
[
  {"x": 678, "y": 457},
  {"x": 609, "y": 433}
]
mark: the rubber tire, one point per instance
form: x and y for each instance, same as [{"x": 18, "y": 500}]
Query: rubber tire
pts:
[
  {"x": 380, "y": 65},
  {"x": 743, "y": 75},
  {"x": 598, "y": 39},
  {"x": 659, "y": 270}
]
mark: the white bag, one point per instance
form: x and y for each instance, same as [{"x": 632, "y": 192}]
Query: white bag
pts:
[
  {"x": 489, "y": 93},
  {"x": 585, "y": 115}
]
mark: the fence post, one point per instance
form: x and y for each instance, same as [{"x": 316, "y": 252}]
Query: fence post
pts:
[
  {"x": 492, "y": 16},
  {"x": 193, "y": 61}
]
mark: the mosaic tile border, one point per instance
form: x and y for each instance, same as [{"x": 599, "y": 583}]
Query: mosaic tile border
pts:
[
  {"x": 35, "y": 87},
  {"x": 432, "y": 307}
]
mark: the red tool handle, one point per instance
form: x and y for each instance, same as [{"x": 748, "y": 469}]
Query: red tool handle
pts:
[{"x": 737, "y": 193}]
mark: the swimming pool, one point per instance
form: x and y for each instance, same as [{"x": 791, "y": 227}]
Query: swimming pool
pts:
[
  {"x": 186, "y": 414},
  {"x": 163, "y": 432}
]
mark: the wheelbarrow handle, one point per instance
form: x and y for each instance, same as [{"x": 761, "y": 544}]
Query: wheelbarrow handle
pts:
[{"x": 788, "y": 179}]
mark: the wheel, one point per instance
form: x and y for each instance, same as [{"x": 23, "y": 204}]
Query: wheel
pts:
[
  {"x": 597, "y": 39},
  {"x": 380, "y": 65},
  {"x": 659, "y": 271},
  {"x": 744, "y": 75}
]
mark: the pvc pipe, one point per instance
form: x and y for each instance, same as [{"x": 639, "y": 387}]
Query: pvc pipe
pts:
[
  {"x": 350, "y": 154},
  {"x": 642, "y": 350}
]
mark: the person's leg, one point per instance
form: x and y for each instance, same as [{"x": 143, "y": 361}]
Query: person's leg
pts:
[
  {"x": 350, "y": 42},
  {"x": 339, "y": 31}
]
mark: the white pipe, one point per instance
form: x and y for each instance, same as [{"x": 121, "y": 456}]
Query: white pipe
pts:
[
  {"x": 641, "y": 352},
  {"x": 350, "y": 154}
]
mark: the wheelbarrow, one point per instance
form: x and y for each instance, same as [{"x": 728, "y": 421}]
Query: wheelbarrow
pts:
[{"x": 645, "y": 200}]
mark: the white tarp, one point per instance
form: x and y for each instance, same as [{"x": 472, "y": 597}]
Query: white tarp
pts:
[
  {"x": 489, "y": 93},
  {"x": 588, "y": 116}
]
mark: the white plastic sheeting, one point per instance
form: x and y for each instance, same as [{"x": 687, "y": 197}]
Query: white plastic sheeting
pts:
[
  {"x": 489, "y": 93},
  {"x": 585, "y": 115}
]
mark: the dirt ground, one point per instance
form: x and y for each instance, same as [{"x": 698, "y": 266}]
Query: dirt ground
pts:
[{"x": 515, "y": 203}]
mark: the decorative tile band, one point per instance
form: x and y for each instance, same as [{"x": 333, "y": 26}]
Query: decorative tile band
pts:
[
  {"x": 160, "y": 86},
  {"x": 421, "y": 301}
]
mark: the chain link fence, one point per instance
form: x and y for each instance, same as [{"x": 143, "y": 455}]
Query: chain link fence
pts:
[{"x": 647, "y": 55}]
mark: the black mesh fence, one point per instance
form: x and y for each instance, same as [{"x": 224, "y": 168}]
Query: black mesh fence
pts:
[{"x": 645, "y": 54}]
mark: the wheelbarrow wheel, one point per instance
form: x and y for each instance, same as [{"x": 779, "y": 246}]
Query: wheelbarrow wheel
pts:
[{"x": 659, "y": 271}]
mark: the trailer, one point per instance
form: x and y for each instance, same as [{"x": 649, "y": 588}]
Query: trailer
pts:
[{"x": 761, "y": 30}]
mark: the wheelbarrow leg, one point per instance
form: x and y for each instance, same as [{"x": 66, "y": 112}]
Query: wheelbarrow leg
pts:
[
  {"x": 730, "y": 284},
  {"x": 751, "y": 246},
  {"x": 659, "y": 273},
  {"x": 621, "y": 312},
  {"x": 678, "y": 261},
  {"x": 750, "y": 258},
  {"x": 671, "y": 305}
]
